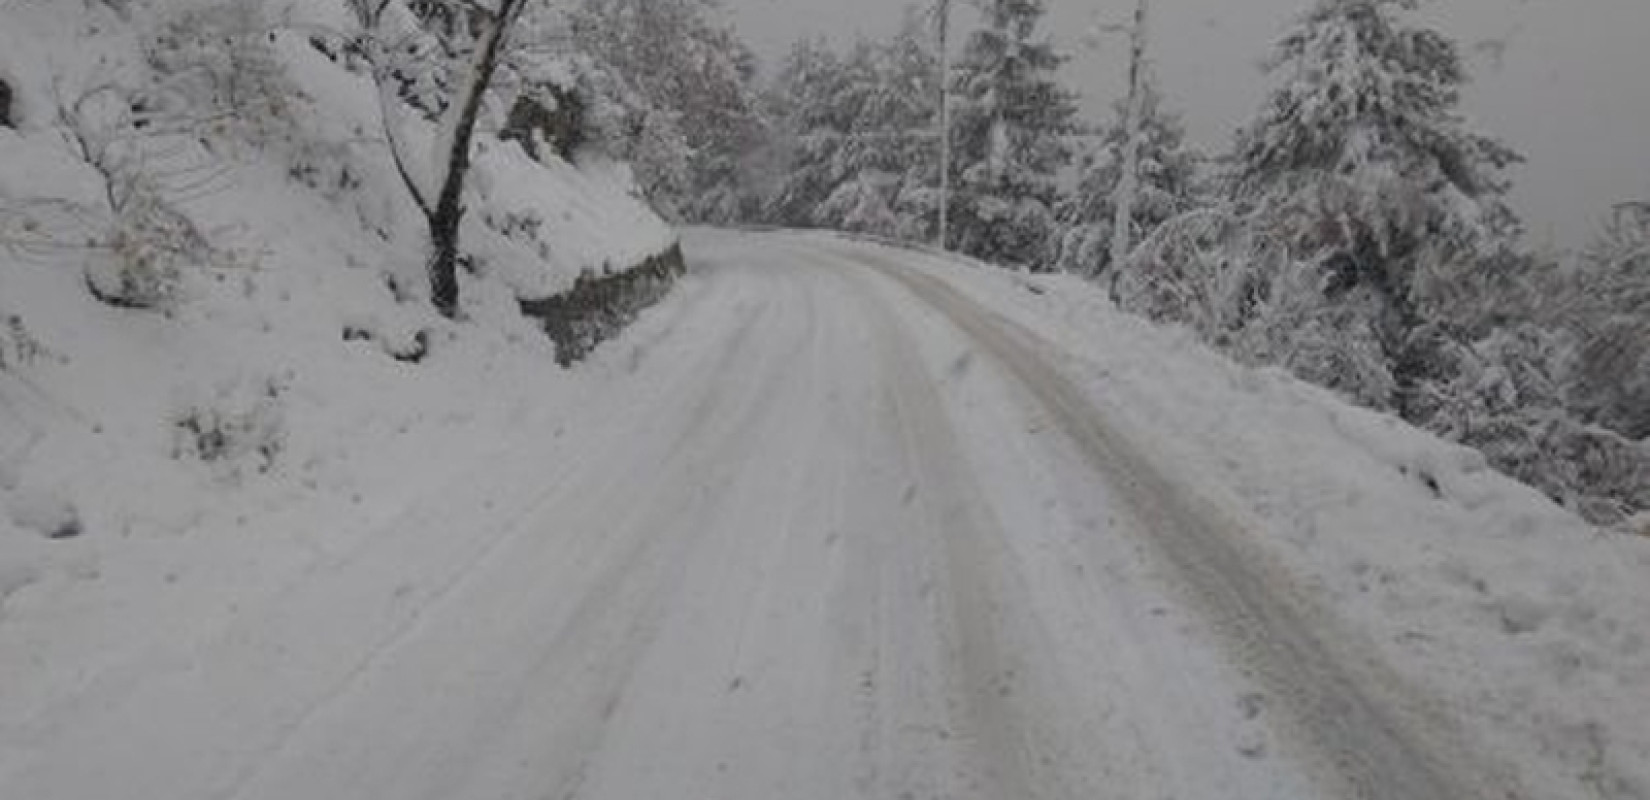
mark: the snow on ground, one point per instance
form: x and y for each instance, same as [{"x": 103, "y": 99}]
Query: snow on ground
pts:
[
  {"x": 1514, "y": 616},
  {"x": 828, "y": 523},
  {"x": 159, "y": 467}
]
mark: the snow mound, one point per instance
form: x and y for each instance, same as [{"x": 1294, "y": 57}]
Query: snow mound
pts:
[{"x": 263, "y": 377}]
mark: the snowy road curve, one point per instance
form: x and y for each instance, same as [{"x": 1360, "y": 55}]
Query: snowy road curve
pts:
[{"x": 841, "y": 534}]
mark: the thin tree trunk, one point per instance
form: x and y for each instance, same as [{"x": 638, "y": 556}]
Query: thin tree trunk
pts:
[
  {"x": 448, "y": 215},
  {"x": 1128, "y": 185},
  {"x": 944, "y": 10}
]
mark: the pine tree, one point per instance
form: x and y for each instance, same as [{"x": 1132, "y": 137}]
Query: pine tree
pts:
[
  {"x": 1607, "y": 308},
  {"x": 810, "y": 123},
  {"x": 682, "y": 60},
  {"x": 1361, "y": 167},
  {"x": 1009, "y": 135},
  {"x": 1167, "y": 175},
  {"x": 907, "y": 105},
  {"x": 860, "y": 143}
]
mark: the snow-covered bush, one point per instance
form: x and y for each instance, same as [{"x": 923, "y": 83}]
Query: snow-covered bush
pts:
[
  {"x": 1166, "y": 187},
  {"x": 141, "y": 242},
  {"x": 1365, "y": 245},
  {"x": 1224, "y": 275},
  {"x": 216, "y": 56},
  {"x": 241, "y": 426},
  {"x": 149, "y": 245},
  {"x": 18, "y": 346},
  {"x": 149, "y": 125}
]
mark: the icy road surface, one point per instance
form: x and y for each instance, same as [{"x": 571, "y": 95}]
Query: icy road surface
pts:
[{"x": 841, "y": 534}]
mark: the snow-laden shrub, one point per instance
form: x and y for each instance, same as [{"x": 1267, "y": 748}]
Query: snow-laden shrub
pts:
[
  {"x": 140, "y": 241},
  {"x": 216, "y": 57},
  {"x": 862, "y": 205},
  {"x": 18, "y": 346},
  {"x": 1166, "y": 184},
  {"x": 1210, "y": 269},
  {"x": 1540, "y": 376},
  {"x": 240, "y": 427},
  {"x": 149, "y": 244}
]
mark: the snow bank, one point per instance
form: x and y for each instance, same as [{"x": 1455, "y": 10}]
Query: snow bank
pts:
[
  {"x": 1517, "y": 617},
  {"x": 270, "y": 409}
]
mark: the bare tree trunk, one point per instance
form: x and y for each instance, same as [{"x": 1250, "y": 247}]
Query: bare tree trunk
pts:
[
  {"x": 943, "y": 9},
  {"x": 446, "y": 215},
  {"x": 1128, "y": 185}
]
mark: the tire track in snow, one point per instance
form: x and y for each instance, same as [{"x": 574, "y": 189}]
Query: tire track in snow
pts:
[
  {"x": 560, "y": 673},
  {"x": 1346, "y": 715},
  {"x": 215, "y": 713},
  {"x": 1006, "y": 702}
]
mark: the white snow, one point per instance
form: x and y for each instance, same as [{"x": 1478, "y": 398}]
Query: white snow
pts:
[
  {"x": 831, "y": 522},
  {"x": 806, "y": 533},
  {"x": 196, "y": 460},
  {"x": 1519, "y": 622}
]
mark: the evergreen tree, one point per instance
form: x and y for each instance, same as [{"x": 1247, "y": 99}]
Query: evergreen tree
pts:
[
  {"x": 681, "y": 59},
  {"x": 1608, "y": 309},
  {"x": 809, "y": 126},
  {"x": 1362, "y": 168},
  {"x": 1009, "y": 134},
  {"x": 860, "y": 151},
  {"x": 1167, "y": 175}
]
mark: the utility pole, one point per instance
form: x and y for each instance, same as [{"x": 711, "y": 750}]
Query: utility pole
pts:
[
  {"x": 943, "y": 10},
  {"x": 1129, "y": 184}
]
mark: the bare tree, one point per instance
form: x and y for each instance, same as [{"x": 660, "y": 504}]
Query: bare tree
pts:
[{"x": 439, "y": 192}]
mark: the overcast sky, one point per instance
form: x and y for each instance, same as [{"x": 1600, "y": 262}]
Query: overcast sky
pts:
[{"x": 1571, "y": 89}]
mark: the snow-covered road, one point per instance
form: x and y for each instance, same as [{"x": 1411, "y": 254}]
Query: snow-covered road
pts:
[{"x": 842, "y": 533}]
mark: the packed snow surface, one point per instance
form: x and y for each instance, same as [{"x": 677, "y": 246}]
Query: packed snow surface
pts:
[{"x": 834, "y": 521}]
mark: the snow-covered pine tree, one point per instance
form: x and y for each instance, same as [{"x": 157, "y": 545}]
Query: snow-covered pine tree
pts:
[
  {"x": 1167, "y": 176},
  {"x": 907, "y": 105},
  {"x": 886, "y": 162},
  {"x": 808, "y": 123},
  {"x": 1362, "y": 167},
  {"x": 860, "y": 154},
  {"x": 862, "y": 157},
  {"x": 683, "y": 59},
  {"x": 1609, "y": 312},
  {"x": 1009, "y": 134}
]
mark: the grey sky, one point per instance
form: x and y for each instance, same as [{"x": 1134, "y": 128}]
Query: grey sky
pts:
[{"x": 1571, "y": 90}]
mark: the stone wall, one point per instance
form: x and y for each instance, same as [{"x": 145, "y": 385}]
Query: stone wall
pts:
[{"x": 598, "y": 307}]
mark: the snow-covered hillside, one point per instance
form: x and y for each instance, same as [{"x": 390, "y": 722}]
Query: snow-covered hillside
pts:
[{"x": 219, "y": 168}]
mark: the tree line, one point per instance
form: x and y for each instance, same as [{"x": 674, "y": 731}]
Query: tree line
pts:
[{"x": 1356, "y": 231}]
